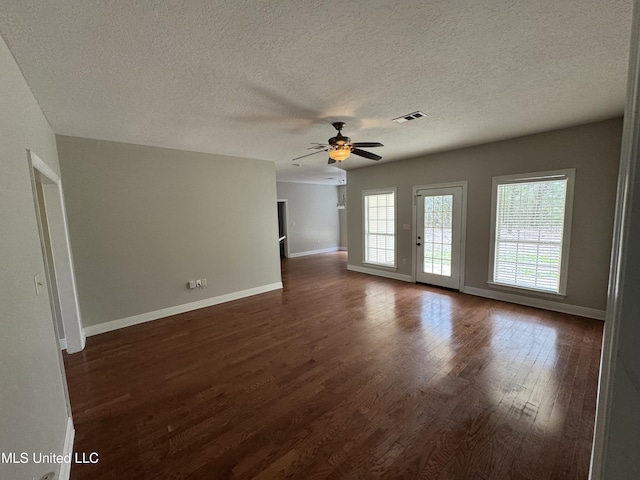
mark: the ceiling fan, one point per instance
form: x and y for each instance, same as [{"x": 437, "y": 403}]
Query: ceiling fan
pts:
[{"x": 341, "y": 147}]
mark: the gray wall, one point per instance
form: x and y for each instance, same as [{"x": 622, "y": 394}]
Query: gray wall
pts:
[
  {"x": 618, "y": 413},
  {"x": 144, "y": 220},
  {"x": 313, "y": 222},
  {"x": 623, "y": 446},
  {"x": 593, "y": 149},
  {"x": 33, "y": 411}
]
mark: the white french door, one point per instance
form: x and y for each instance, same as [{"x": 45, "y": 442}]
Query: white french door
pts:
[{"x": 439, "y": 235}]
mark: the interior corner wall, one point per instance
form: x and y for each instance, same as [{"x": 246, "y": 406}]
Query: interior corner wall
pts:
[
  {"x": 312, "y": 222},
  {"x": 143, "y": 221},
  {"x": 342, "y": 216},
  {"x": 592, "y": 149},
  {"x": 33, "y": 409}
]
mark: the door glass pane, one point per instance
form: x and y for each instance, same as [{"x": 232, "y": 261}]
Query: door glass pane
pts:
[
  {"x": 437, "y": 234},
  {"x": 428, "y": 204}
]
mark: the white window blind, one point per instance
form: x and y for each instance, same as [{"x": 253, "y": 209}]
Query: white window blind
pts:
[
  {"x": 379, "y": 228},
  {"x": 529, "y": 229}
]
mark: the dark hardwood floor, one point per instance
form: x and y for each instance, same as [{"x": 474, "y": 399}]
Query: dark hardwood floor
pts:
[{"x": 340, "y": 375}]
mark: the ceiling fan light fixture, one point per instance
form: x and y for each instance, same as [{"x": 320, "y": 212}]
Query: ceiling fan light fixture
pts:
[
  {"x": 340, "y": 153},
  {"x": 340, "y": 147}
]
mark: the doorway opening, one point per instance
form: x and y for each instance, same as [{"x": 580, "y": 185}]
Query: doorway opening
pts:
[
  {"x": 283, "y": 239},
  {"x": 56, "y": 250},
  {"x": 439, "y": 228}
]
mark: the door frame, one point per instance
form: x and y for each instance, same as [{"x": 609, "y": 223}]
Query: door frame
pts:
[
  {"x": 65, "y": 280},
  {"x": 285, "y": 210},
  {"x": 463, "y": 226},
  {"x": 620, "y": 295}
]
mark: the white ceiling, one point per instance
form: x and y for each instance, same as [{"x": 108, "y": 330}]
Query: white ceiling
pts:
[{"x": 263, "y": 79}]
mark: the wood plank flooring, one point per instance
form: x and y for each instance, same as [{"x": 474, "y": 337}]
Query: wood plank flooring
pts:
[{"x": 340, "y": 375}]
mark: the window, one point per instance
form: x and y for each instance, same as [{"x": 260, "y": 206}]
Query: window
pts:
[
  {"x": 380, "y": 227},
  {"x": 531, "y": 222}
]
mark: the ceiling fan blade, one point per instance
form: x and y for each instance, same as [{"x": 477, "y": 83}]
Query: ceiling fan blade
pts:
[
  {"x": 367, "y": 144},
  {"x": 308, "y": 154},
  {"x": 365, "y": 154},
  {"x": 331, "y": 160}
]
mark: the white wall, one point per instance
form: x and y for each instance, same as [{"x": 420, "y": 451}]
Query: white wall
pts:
[
  {"x": 313, "y": 222},
  {"x": 593, "y": 149},
  {"x": 143, "y": 221},
  {"x": 33, "y": 410}
]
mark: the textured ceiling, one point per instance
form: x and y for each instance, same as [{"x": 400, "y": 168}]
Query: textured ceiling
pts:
[{"x": 263, "y": 79}]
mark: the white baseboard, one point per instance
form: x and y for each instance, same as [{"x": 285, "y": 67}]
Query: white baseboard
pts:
[
  {"x": 63, "y": 344},
  {"x": 536, "y": 302},
  {"x": 187, "y": 307},
  {"x": 343, "y": 249},
  {"x": 65, "y": 468},
  {"x": 380, "y": 273},
  {"x": 314, "y": 252}
]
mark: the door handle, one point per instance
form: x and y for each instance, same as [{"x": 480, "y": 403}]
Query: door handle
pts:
[{"x": 418, "y": 244}]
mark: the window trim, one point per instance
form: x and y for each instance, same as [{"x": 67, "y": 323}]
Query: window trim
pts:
[
  {"x": 379, "y": 191},
  {"x": 569, "y": 174}
]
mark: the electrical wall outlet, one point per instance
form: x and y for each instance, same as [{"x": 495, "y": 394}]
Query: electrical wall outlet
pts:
[
  {"x": 191, "y": 284},
  {"x": 199, "y": 283},
  {"x": 204, "y": 282}
]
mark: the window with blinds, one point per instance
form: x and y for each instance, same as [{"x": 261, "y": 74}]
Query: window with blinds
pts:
[
  {"x": 530, "y": 229},
  {"x": 380, "y": 227}
]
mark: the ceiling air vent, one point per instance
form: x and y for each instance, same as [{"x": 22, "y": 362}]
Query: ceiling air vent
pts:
[{"x": 409, "y": 116}]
